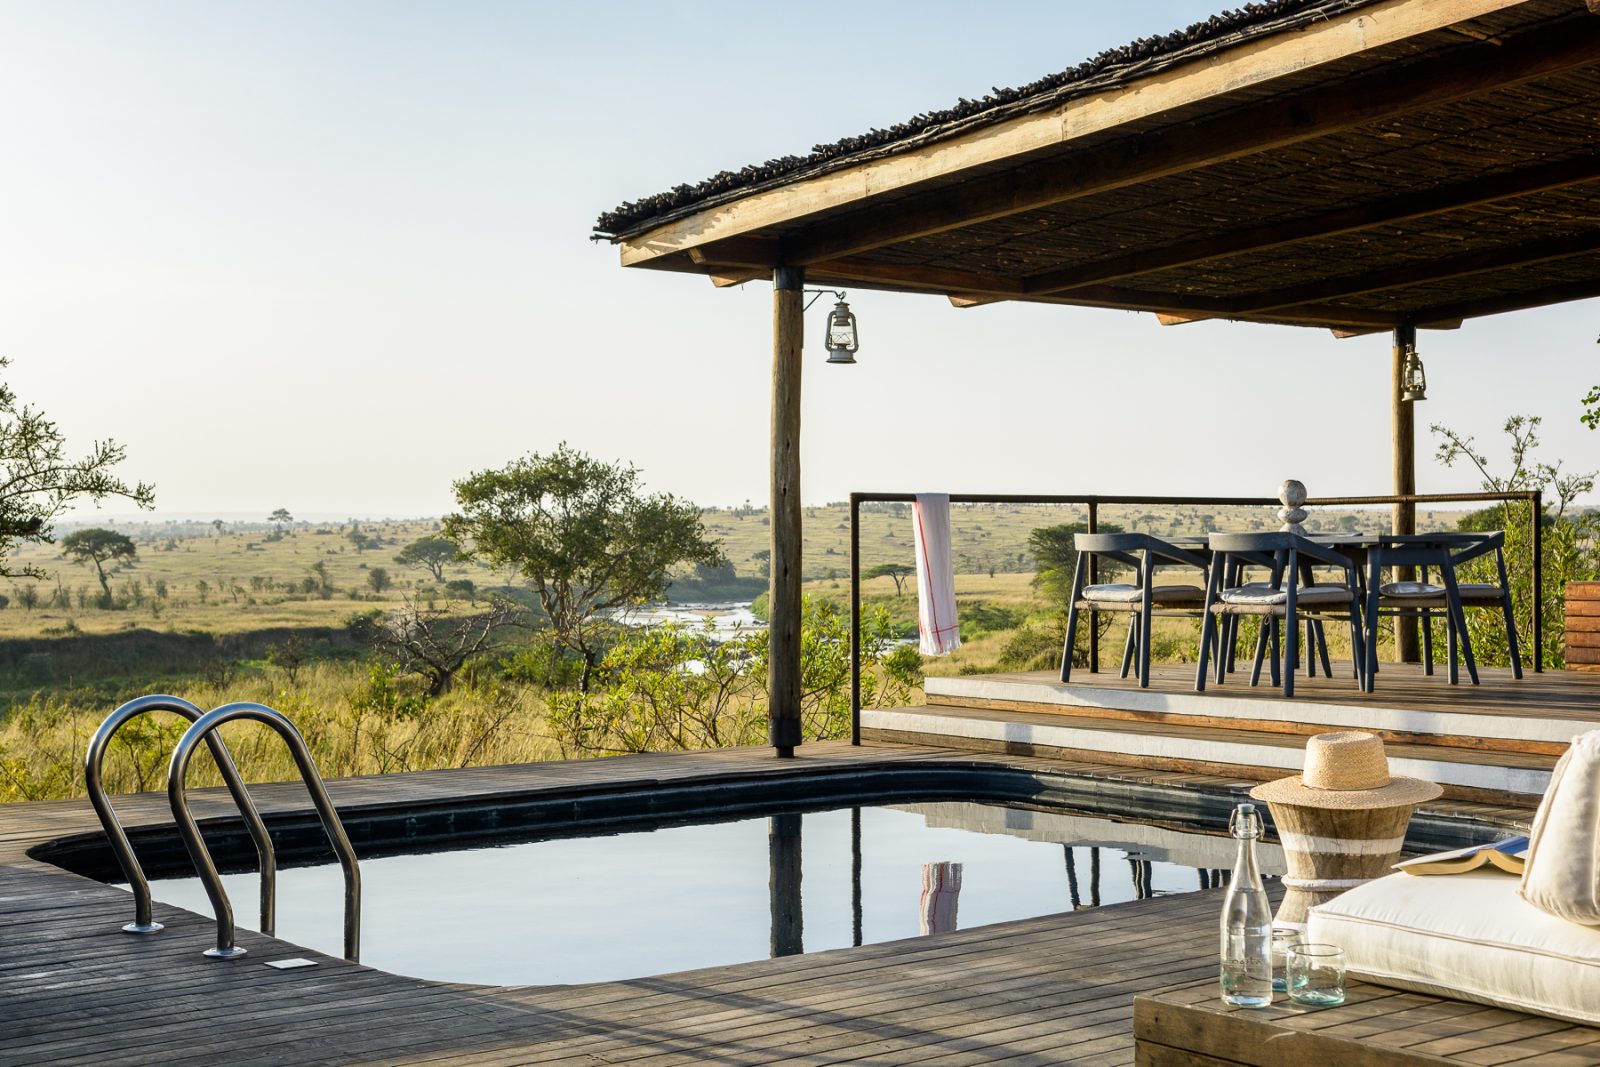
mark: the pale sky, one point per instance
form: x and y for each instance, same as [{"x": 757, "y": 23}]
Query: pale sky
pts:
[{"x": 330, "y": 256}]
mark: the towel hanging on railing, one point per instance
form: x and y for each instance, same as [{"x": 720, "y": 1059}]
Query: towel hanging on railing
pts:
[{"x": 936, "y": 578}]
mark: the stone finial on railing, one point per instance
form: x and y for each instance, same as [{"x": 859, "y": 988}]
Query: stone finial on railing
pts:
[{"x": 1293, "y": 495}]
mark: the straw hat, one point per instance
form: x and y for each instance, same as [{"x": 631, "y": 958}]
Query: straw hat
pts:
[{"x": 1346, "y": 770}]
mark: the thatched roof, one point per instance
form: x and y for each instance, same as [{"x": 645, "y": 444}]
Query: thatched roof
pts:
[
  {"x": 1112, "y": 67},
  {"x": 1357, "y": 164}
]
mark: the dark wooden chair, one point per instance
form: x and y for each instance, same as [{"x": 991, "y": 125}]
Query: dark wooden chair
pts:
[
  {"x": 1140, "y": 600},
  {"x": 1441, "y": 554},
  {"x": 1289, "y": 596}
]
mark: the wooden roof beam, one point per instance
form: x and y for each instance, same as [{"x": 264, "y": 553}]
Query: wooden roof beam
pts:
[
  {"x": 1275, "y": 122},
  {"x": 1252, "y": 62},
  {"x": 1471, "y": 193},
  {"x": 1421, "y": 273},
  {"x": 1533, "y": 298}
]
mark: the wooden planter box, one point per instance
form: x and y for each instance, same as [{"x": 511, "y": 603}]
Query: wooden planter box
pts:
[{"x": 1583, "y": 626}]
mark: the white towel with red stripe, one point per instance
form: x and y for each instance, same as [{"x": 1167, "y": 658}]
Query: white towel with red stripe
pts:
[{"x": 936, "y": 576}]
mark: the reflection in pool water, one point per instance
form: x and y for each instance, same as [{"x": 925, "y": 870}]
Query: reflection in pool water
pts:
[{"x": 583, "y": 909}]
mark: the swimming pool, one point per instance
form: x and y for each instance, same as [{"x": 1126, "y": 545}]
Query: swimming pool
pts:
[
  {"x": 706, "y": 893},
  {"x": 1107, "y": 820}
]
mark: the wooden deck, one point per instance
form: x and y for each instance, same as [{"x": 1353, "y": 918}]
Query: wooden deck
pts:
[
  {"x": 75, "y": 989},
  {"x": 1495, "y": 742}
]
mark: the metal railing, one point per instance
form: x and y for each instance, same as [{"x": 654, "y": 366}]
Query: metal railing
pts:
[
  {"x": 93, "y": 776},
  {"x": 199, "y": 731},
  {"x": 1093, "y": 502}
]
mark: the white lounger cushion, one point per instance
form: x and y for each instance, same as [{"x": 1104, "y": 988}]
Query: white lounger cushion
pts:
[
  {"x": 1119, "y": 593},
  {"x": 1262, "y": 593},
  {"x": 1467, "y": 936}
]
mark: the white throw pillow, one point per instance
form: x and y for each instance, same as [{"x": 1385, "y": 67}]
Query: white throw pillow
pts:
[{"x": 1563, "y": 872}]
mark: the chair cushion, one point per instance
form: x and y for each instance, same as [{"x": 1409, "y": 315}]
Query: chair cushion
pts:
[
  {"x": 1403, "y": 590},
  {"x": 1467, "y": 936},
  {"x": 1470, "y": 591},
  {"x": 1563, "y": 872},
  {"x": 1120, "y": 593},
  {"x": 1263, "y": 593}
]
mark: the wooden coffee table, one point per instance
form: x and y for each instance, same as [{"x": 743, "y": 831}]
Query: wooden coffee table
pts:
[{"x": 1375, "y": 1027}]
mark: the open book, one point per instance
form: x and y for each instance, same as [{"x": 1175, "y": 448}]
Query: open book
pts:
[{"x": 1509, "y": 855}]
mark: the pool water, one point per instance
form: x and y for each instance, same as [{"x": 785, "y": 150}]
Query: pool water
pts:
[{"x": 624, "y": 905}]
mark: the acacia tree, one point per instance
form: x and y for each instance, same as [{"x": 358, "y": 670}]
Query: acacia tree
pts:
[
  {"x": 38, "y": 480},
  {"x": 436, "y": 644},
  {"x": 897, "y": 571},
  {"x": 99, "y": 547},
  {"x": 582, "y": 533},
  {"x": 432, "y": 552}
]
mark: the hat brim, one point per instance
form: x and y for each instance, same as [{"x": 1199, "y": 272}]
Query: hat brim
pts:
[{"x": 1398, "y": 792}]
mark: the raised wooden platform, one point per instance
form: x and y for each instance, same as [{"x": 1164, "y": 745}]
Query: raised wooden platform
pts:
[
  {"x": 74, "y": 989},
  {"x": 1495, "y": 742},
  {"x": 1375, "y": 1027}
]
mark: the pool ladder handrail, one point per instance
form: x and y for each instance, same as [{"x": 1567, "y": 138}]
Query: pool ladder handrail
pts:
[
  {"x": 201, "y": 729},
  {"x": 94, "y": 780}
]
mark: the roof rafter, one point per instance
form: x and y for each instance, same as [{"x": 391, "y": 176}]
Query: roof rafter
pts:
[{"x": 1474, "y": 192}]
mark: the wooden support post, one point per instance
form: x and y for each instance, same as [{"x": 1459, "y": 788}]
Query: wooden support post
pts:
[
  {"x": 1405, "y": 479},
  {"x": 783, "y": 598}
]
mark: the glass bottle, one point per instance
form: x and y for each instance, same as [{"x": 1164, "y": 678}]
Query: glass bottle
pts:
[{"x": 1246, "y": 921}]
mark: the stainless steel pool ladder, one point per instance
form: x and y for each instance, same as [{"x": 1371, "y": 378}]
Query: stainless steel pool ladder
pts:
[
  {"x": 143, "y": 922},
  {"x": 202, "y": 729}
]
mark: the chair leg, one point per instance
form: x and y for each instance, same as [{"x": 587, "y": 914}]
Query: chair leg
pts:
[
  {"x": 1427, "y": 643},
  {"x": 1453, "y": 601},
  {"x": 1322, "y": 643},
  {"x": 1261, "y": 652},
  {"x": 1146, "y": 629},
  {"x": 1128, "y": 645},
  {"x": 1210, "y": 634},
  {"x": 1067, "y": 647},
  {"x": 1450, "y": 647},
  {"x": 1231, "y": 642},
  {"x": 1511, "y": 638},
  {"x": 1277, "y": 653},
  {"x": 1291, "y": 650},
  {"x": 1358, "y": 657}
]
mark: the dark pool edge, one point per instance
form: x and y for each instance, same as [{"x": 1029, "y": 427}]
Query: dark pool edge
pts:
[{"x": 646, "y": 803}]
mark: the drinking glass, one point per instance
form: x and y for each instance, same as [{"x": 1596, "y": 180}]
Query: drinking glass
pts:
[
  {"x": 1282, "y": 938},
  {"x": 1316, "y": 974}
]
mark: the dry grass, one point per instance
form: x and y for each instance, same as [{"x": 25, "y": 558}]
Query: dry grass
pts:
[{"x": 354, "y": 721}]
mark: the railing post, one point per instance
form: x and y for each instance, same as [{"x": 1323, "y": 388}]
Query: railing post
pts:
[
  {"x": 855, "y": 619},
  {"x": 1094, "y": 616},
  {"x": 1538, "y": 581}
]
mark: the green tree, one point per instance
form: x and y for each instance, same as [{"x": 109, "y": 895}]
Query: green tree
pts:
[
  {"x": 431, "y": 552},
  {"x": 38, "y": 480},
  {"x": 99, "y": 547},
  {"x": 582, "y": 533},
  {"x": 280, "y": 518},
  {"x": 899, "y": 572},
  {"x": 378, "y": 579},
  {"x": 360, "y": 538},
  {"x": 1056, "y": 558},
  {"x": 1571, "y": 542}
]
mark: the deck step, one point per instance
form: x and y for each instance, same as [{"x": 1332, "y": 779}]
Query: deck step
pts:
[
  {"x": 1261, "y": 755},
  {"x": 1538, "y": 715}
]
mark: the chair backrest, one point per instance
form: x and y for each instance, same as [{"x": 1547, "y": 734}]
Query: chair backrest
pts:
[
  {"x": 1123, "y": 546},
  {"x": 1275, "y": 543}
]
